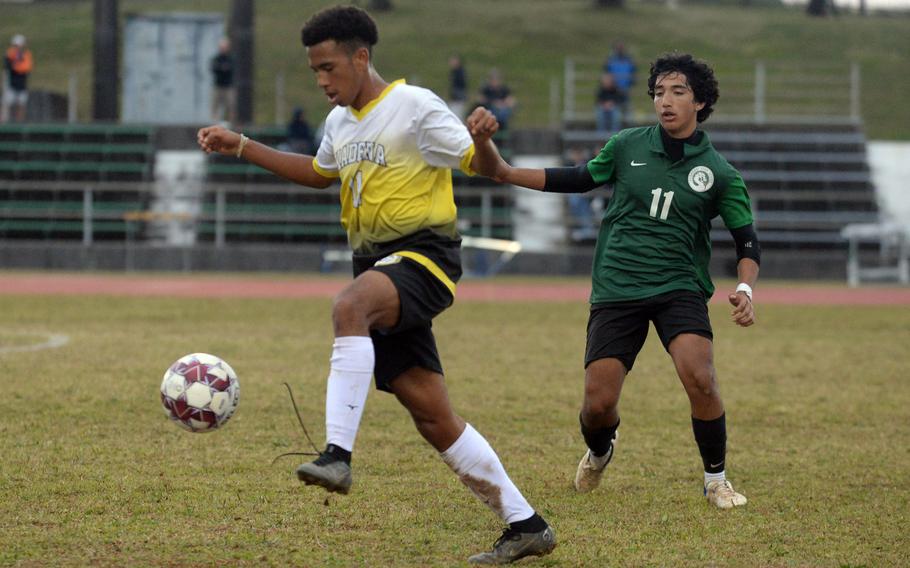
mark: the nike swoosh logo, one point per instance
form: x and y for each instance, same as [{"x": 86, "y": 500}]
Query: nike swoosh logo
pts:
[
  {"x": 717, "y": 464},
  {"x": 635, "y": 164}
]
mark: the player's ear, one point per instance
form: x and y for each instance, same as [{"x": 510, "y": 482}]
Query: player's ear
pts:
[{"x": 361, "y": 58}]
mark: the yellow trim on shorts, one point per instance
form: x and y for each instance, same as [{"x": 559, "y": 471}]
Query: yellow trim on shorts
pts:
[{"x": 431, "y": 266}]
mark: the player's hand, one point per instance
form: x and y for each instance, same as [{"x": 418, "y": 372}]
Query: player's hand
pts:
[
  {"x": 218, "y": 139},
  {"x": 482, "y": 125},
  {"x": 743, "y": 313}
]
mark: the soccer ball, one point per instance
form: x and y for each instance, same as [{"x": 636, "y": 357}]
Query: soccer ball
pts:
[{"x": 200, "y": 392}]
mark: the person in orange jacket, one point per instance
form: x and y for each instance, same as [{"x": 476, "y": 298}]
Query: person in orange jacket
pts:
[{"x": 18, "y": 64}]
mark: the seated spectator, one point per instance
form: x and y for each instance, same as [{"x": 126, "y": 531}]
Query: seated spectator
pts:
[
  {"x": 608, "y": 107},
  {"x": 300, "y": 137},
  {"x": 497, "y": 97},
  {"x": 584, "y": 222},
  {"x": 458, "y": 86},
  {"x": 623, "y": 68}
]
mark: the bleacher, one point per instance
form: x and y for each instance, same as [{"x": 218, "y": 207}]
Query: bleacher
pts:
[
  {"x": 95, "y": 183},
  {"x": 806, "y": 181},
  {"x": 38, "y": 160},
  {"x": 258, "y": 208}
]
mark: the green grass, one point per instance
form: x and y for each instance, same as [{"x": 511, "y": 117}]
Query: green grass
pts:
[
  {"x": 527, "y": 39},
  {"x": 93, "y": 474}
]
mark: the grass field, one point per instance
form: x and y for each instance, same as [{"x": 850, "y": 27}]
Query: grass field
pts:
[
  {"x": 528, "y": 39},
  {"x": 93, "y": 474}
]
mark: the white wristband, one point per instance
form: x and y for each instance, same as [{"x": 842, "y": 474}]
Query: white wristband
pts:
[
  {"x": 743, "y": 287},
  {"x": 243, "y": 141}
]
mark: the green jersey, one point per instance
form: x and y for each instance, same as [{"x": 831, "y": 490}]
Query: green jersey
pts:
[{"x": 656, "y": 232}]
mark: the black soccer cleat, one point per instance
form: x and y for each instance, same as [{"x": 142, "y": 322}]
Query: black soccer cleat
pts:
[
  {"x": 327, "y": 471},
  {"x": 513, "y": 545}
]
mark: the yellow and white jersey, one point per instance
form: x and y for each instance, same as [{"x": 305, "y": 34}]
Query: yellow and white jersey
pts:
[{"x": 394, "y": 157}]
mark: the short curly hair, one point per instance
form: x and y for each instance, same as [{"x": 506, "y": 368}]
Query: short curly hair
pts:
[
  {"x": 348, "y": 25},
  {"x": 698, "y": 73}
]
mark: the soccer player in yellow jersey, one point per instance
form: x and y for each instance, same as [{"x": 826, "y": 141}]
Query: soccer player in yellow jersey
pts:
[{"x": 393, "y": 146}]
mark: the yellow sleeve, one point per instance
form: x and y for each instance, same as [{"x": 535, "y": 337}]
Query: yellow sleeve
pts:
[
  {"x": 324, "y": 172},
  {"x": 466, "y": 160}
]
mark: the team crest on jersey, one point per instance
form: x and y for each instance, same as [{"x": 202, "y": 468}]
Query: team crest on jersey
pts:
[
  {"x": 701, "y": 179},
  {"x": 391, "y": 259}
]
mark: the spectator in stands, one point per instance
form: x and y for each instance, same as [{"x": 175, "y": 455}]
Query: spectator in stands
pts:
[
  {"x": 609, "y": 100},
  {"x": 300, "y": 136},
  {"x": 458, "y": 86},
  {"x": 497, "y": 97},
  {"x": 651, "y": 262},
  {"x": 393, "y": 146},
  {"x": 581, "y": 210},
  {"x": 621, "y": 65},
  {"x": 224, "y": 96},
  {"x": 18, "y": 64}
]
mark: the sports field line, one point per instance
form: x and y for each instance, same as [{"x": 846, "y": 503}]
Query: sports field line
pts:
[
  {"x": 320, "y": 286},
  {"x": 49, "y": 341}
]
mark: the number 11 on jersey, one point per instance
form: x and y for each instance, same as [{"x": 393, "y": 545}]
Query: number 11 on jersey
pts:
[{"x": 655, "y": 203}]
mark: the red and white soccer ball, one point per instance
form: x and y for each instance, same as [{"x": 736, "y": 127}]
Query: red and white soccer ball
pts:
[{"x": 200, "y": 392}]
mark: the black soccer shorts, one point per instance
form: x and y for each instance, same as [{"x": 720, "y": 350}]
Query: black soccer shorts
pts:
[
  {"x": 619, "y": 329},
  {"x": 424, "y": 269}
]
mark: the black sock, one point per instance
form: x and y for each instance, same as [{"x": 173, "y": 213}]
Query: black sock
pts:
[
  {"x": 599, "y": 441},
  {"x": 532, "y": 524},
  {"x": 340, "y": 454},
  {"x": 711, "y": 437}
]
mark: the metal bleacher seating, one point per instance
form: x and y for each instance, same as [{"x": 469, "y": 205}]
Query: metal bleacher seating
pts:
[
  {"x": 260, "y": 207},
  {"x": 38, "y": 160},
  {"x": 806, "y": 182}
]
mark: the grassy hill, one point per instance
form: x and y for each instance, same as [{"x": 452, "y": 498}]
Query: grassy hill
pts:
[{"x": 527, "y": 39}]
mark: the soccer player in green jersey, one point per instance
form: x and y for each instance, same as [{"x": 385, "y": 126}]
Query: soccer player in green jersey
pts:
[
  {"x": 651, "y": 262},
  {"x": 393, "y": 146}
]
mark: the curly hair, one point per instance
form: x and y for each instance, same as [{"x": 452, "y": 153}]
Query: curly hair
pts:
[
  {"x": 698, "y": 73},
  {"x": 348, "y": 25}
]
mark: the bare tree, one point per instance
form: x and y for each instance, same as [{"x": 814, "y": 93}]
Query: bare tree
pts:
[{"x": 105, "y": 80}]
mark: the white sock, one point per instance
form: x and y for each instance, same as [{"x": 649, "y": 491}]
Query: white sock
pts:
[
  {"x": 600, "y": 461},
  {"x": 478, "y": 467},
  {"x": 715, "y": 477},
  {"x": 348, "y": 386}
]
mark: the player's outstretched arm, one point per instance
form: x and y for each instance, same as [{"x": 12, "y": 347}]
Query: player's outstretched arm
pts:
[
  {"x": 488, "y": 162},
  {"x": 743, "y": 313},
  {"x": 297, "y": 168},
  {"x": 482, "y": 125}
]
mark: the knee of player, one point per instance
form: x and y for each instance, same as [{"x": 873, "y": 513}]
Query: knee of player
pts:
[
  {"x": 599, "y": 403},
  {"x": 704, "y": 380},
  {"x": 346, "y": 310}
]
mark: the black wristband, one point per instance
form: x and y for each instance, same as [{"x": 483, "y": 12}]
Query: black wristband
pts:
[{"x": 747, "y": 245}]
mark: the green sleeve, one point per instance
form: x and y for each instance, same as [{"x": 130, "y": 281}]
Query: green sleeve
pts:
[
  {"x": 601, "y": 167},
  {"x": 735, "y": 207}
]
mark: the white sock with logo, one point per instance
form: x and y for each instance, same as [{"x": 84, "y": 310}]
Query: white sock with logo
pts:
[
  {"x": 348, "y": 386},
  {"x": 479, "y": 468},
  {"x": 720, "y": 476}
]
